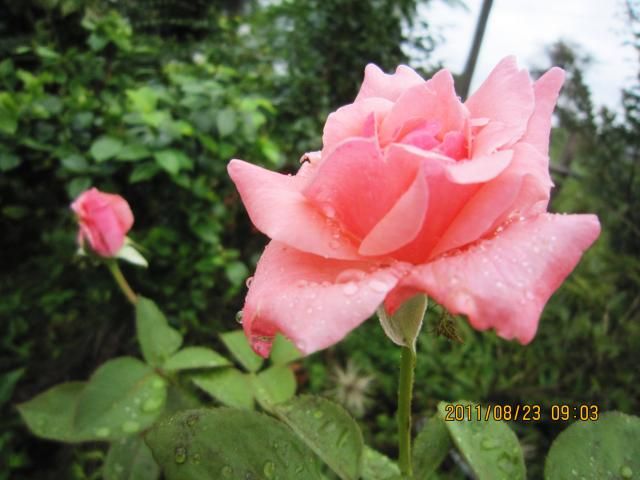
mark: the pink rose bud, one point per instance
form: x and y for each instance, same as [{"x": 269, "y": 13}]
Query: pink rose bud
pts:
[
  {"x": 104, "y": 221},
  {"x": 414, "y": 192}
]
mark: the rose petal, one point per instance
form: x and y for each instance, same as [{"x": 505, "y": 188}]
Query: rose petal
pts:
[
  {"x": 403, "y": 222},
  {"x": 121, "y": 210},
  {"x": 106, "y": 236},
  {"x": 506, "y": 98},
  {"x": 278, "y": 209},
  {"x": 349, "y": 121},
  {"x": 376, "y": 83},
  {"x": 546, "y": 90},
  {"x": 479, "y": 169},
  {"x": 520, "y": 190},
  {"x": 359, "y": 185},
  {"x": 312, "y": 301},
  {"x": 504, "y": 282},
  {"x": 434, "y": 101},
  {"x": 446, "y": 199}
]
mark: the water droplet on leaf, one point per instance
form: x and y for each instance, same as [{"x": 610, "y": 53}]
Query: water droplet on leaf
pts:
[
  {"x": 269, "y": 469},
  {"x": 626, "y": 472},
  {"x": 130, "y": 426},
  {"x": 180, "y": 455},
  {"x": 152, "y": 404}
]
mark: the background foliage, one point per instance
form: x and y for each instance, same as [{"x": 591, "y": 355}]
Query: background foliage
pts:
[{"x": 150, "y": 100}]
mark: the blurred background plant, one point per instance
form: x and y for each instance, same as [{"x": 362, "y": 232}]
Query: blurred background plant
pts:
[{"x": 150, "y": 99}]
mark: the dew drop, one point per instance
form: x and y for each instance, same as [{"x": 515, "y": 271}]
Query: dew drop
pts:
[
  {"x": 195, "y": 458},
  {"x": 269, "y": 469},
  {"x": 248, "y": 282},
  {"x": 329, "y": 211},
  {"x": 488, "y": 443},
  {"x": 102, "y": 432},
  {"x": 626, "y": 472},
  {"x": 350, "y": 288},
  {"x": 130, "y": 426},
  {"x": 180, "y": 455},
  {"x": 350, "y": 275},
  {"x": 158, "y": 383},
  {"x": 192, "y": 420},
  {"x": 301, "y": 283},
  {"x": 378, "y": 286},
  {"x": 152, "y": 404},
  {"x": 239, "y": 317},
  {"x": 227, "y": 471}
]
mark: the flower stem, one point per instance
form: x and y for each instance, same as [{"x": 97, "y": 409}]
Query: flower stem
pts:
[
  {"x": 405, "y": 393},
  {"x": 114, "y": 268}
]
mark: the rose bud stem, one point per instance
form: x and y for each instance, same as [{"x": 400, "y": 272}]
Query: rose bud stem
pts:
[{"x": 114, "y": 268}]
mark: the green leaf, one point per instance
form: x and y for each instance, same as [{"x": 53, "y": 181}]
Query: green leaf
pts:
[
  {"x": 276, "y": 384},
  {"x": 8, "y": 114},
  {"x": 606, "y": 448},
  {"x": 130, "y": 459},
  {"x": 490, "y": 447},
  {"x": 195, "y": 357},
  {"x": 226, "y": 121},
  {"x": 122, "y": 397},
  {"x": 377, "y": 466},
  {"x": 8, "y": 382},
  {"x": 239, "y": 347},
  {"x": 283, "y": 351},
  {"x": 229, "y": 386},
  {"x": 75, "y": 163},
  {"x": 143, "y": 172},
  {"x": 158, "y": 341},
  {"x": 131, "y": 153},
  {"x": 404, "y": 325},
  {"x": 78, "y": 185},
  {"x": 223, "y": 443},
  {"x": 236, "y": 272},
  {"x": 8, "y": 161},
  {"x": 430, "y": 448},
  {"x": 50, "y": 414},
  {"x": 328, "y": 430},
  {"x": 173, "y": 161},
  {"x": 105, "y": 147}
]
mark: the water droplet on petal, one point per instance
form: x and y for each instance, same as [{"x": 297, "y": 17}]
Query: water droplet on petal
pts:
[
  {"x": 248, "y": 282},
  {"x": 378, "y": 286},
  {"x": 350, "y": 275},
  {"x": 329, "y": 211},
  {"x": 180, "y": 455},
  {"x": 350, "y": 288},
  {"x": 301, "y": 283},
  {"x": 239, "y": 317}
]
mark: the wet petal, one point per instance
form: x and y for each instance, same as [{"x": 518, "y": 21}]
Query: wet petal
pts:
[
  {"x": 313, "y": 301},
  {"x": 359, "y": 185},
  {"x": 402, "y": 223},
  {"x": 504, "y": 282},
  {"x": 278, "y": 209}
]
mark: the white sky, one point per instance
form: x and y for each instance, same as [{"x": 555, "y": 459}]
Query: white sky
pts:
[{"x": 525, "y": 27}]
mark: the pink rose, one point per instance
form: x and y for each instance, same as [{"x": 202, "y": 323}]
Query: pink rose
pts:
[
  {"x": 415, "y": 191},
  {"x": 104, "y": 221}
]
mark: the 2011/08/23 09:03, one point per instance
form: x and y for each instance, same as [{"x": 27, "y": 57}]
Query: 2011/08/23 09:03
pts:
[{"x": 526, "y": 413}]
